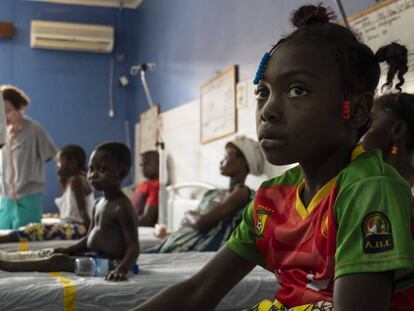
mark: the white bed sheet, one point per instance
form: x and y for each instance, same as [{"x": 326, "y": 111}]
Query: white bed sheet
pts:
[
  {"x": 41, "y": 291},
  {"x": 146, "y": 239}
]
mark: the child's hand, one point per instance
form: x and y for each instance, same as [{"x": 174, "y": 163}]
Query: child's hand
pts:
[{"x": 117, "y": 275}]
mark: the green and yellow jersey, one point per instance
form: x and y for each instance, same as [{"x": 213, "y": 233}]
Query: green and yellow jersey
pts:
[{"x": 360, "y": 221}]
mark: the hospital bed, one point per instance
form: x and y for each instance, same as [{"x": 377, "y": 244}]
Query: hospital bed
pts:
[{"x": 66, "y": 291}]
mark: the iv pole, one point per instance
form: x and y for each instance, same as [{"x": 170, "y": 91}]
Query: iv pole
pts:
[
  {"x": 159, "y": 144},
  {"x": 342, "y": 11}
]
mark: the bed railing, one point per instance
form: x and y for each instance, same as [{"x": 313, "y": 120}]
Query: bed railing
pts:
[{"x": 183, "y": 197}]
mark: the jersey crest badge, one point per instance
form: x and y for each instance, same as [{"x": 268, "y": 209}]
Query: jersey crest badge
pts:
[
  {"x": 377, "y": 233},
  {"x": 262, "y": 216}
]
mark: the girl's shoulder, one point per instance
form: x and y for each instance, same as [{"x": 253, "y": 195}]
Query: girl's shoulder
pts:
[
  {"x": 246, "y": 192},
  {"x": 368, "y": 165},
  {"x": 291, "y": 177}
]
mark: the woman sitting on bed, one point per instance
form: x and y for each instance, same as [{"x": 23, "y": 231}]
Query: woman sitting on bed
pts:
[
  {"x": 75, "y": 205},
  {"x": 220, "y": 210}
]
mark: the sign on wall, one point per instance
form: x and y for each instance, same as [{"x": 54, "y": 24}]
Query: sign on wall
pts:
[
  {"x": 389, "y": 21},
  {"x": 218, "y": 106}
]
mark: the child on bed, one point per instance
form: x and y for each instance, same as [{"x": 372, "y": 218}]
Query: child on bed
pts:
[
  {"x": 75, "y": 205},
  {"x": 145, "y": 196},
  {"x": 113, "y": 232}
]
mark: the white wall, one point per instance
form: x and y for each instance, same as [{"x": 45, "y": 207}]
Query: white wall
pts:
[{"x": 192, "y": 161}]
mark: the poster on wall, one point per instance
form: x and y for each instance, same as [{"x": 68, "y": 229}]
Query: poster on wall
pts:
[
  {"x": 148, "y": 129},
  {"x": 218, "y": 106}
]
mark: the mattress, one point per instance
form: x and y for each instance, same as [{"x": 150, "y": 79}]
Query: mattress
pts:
[
  {"x": 66, "y": 291},
  {"x": 146, "y": 239}
]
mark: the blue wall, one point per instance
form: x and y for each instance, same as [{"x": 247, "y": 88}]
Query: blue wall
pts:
[
  {"x": 193, "y": 40},
  {"x": 68, "y": 90},
  {"x": 189, "y": 40}
]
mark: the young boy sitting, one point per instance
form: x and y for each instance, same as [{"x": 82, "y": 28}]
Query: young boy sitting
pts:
[
  {"x": 145, "y": 196},
  {"x": 113, "y": 232}
]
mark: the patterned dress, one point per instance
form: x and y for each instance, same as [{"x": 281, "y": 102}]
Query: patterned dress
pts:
[{"x": 188, "y": 239}]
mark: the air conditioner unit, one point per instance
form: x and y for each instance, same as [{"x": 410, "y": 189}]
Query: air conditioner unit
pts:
[
  {"x": 71, "y": 36},
  {"x": 130, "y": 4}
]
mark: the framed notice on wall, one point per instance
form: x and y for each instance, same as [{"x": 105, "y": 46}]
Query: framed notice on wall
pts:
[
  {"x": 148, "y": 129},
  {"x": 218, "y": 106}
]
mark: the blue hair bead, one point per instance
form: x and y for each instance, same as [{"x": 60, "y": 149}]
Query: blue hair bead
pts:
[{"x": 261, "y": 69}]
